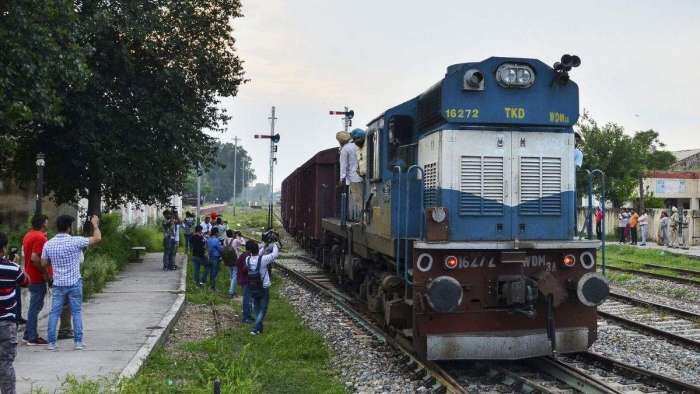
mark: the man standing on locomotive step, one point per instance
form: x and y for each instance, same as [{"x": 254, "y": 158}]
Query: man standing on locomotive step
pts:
[{"x": 348, "y": 168}]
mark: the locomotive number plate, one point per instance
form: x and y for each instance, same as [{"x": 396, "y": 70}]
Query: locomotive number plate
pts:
[{"x": 536, "y": 261}]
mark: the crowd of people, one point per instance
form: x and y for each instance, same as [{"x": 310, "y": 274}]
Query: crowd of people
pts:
[
  {"x": 212, "y": 244},
  {"x": 633, "y": 227},
  {"x": 48, "y": 263}
]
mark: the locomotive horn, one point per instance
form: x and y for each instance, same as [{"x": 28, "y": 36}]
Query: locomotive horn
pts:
[
  {"x": 575, "y": 61},
  {"x": 567, "y": 60}
]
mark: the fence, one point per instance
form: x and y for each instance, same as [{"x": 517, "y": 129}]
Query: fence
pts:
[{"x": 690, "y": 233}]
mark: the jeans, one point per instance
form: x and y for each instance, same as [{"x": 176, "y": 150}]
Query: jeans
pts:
[
  {"x": 74, "y": 294},
  {"x": 621, "y": 231},
  {"x": 18, "y": 299},
  {"x": 37, "y": 292},
  {"x": 169, "y": 252},
  {"x": 261, "y": 297},
  {"x": 188, "y": 243},
  {"x": 8, "y": 351},
  {"x": 197, "y": 263},
  {"x": 213, "y": 270},
  {"x": 643, "y": 229},
  {"x": 247, "y": 304},
  {"x": 633, "y": 231},
  {"x": 234, "y": 276},
  {"x": 599, "y": 230}
]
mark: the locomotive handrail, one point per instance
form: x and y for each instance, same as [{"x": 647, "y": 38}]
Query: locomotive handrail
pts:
[
  {"x": 398, "y": 223},
  {"x": 420, "y": 226},
  {"x": 591, "y": 175}
]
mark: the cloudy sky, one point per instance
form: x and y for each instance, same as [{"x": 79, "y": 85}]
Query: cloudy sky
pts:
[{"x": 640, "y": 62}]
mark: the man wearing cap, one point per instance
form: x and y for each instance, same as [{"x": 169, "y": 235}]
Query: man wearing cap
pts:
[{"x": 676, "y": 222}]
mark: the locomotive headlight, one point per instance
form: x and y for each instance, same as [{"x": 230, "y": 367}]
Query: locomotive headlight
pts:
[
  {"x": 512, "y": 75},
  {"x": 569, "y": 260},
  {"x": 451, "y": 262}
]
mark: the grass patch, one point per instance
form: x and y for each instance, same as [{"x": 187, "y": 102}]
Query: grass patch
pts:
[
  {"x": 629, "y": 257},
  {"x": 287, "y": 358},
  {"x": 619, "y": 278}
]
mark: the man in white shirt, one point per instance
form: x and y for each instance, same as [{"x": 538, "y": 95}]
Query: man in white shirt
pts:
[{"x": 349, "y": 177}]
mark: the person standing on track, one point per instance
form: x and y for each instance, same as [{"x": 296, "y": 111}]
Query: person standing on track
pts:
[
  {"x": 11, "y": 276},
  {"x": 39, "y": 277},
  {"x": 63, "y": 252}
]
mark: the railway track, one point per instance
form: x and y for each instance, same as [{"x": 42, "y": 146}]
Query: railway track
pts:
[
  {"x": 579, "y": 373},
  {"x": 683, "y": 280},
  {"x": 676, "y": 325}
]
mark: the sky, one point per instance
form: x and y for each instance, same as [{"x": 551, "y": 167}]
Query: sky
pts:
[{"x": 640, "y": 62}]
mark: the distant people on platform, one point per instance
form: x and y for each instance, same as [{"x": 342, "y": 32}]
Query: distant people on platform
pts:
[
  {"x": 259, "y": 281},
  {"x": 39, "y": 277},
  {"x": 229, "y": 256},
  {"x": 623, "y": 219},
  {"x": 677, "y": 222},
  {"x": 599, "y": 222},
  {"x": 214, "y": 249},
  {"x": 171, "y": 238},
  {"x": 199, "y": 256},
  {"x": 63, "y": 253},
  {"x": 664, "y": 226},
  {"x": 11, "y": 276},
  {"x": 206, "y": 226},
  {"x": 188, "y": 229},
  {"x": 633, "y": 220},
  {"x": 644, "y": 227}
]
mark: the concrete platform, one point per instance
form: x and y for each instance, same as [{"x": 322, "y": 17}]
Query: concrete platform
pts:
[{"x": 121, "y": 325}]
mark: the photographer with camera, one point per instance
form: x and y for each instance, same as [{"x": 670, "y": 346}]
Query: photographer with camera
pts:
[
  {"x": 257, "y": 267},
  {"x": 39, "y": 277},
  {"x": 11, "y": 276}
]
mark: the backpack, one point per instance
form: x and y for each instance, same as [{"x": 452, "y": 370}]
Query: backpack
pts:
[
  {"x": 254, "y": 278},
  {"x": 229, "y": 253}
]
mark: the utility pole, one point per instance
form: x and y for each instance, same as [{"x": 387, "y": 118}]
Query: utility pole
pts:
[
  {"x": 199, "y": 189},
  {"x": 40, "y": 164},
  {"x": 235, "y": 167},
  {"x": 274, "y": 139}
]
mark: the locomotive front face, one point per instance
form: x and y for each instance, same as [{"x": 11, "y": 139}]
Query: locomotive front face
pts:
[{"x": 492, "y": 304}]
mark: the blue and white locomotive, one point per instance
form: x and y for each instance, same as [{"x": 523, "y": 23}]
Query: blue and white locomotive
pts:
[{"x": 466, "y": 243}]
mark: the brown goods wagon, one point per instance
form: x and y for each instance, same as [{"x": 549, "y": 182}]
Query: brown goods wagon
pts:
[{"x": 310, "y": 195}]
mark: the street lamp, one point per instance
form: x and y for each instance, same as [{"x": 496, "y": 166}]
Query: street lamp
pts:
[{"x": 40, "y": 164}]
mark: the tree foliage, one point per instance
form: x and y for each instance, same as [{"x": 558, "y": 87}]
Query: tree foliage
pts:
[
  {"x": 136, "y": 129},
  {"x": 623, "y": 158}
]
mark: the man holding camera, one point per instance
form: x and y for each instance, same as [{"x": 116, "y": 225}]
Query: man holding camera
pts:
[
  {"x": 11, "y": 276},
  {"x": 39, "y": 277}
]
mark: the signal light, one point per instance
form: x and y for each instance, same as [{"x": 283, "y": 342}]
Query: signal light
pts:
[
  {"x": 451, "y": 262},
  {"x": 569, "y": 260}
]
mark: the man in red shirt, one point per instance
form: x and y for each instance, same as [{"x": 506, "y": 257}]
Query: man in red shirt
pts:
[{"x": 33, "y": 244}]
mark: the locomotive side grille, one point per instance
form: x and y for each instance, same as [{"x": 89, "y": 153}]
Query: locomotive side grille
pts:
[
  {"x": 481, "y": 185},
  {"x": 540, "y": 185},
  {"x": 430, "y": 181}
]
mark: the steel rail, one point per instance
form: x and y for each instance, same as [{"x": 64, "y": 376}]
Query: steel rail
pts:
[
  {"x": 691, "y": 343},
  {"x": 644, "y": 375},
  {"x": 685, "y": 281},
  {"x": 648, "y": 304},
  {"x": 572, "y": 376},
  {"x": 685, "y": 271},
  {"x": 439, "y": 374}
]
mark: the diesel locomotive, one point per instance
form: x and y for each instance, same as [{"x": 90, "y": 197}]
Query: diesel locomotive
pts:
[{"x": 465, "y": 245}]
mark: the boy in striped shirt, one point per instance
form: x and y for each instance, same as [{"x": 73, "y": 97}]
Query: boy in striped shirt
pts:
[{"x": 10, "y": 276}]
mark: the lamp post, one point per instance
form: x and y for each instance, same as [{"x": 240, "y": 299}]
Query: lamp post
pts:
[{"x": 40, "y": 164}]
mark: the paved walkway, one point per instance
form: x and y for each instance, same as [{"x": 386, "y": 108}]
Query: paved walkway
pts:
[
  {"x": 120, "y": 327},
  {"x": 693, "y": 251}
]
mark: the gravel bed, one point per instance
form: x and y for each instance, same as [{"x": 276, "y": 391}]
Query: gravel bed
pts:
[
  {"x": 364, "y": 364},
  {"x": 648, "y": 352},
  {"x": 673, "y": 294}
]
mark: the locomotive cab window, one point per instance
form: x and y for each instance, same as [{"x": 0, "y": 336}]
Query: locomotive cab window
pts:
[
  {"x": 373, "y": 167},
  {"x": 402, "y": 142}
]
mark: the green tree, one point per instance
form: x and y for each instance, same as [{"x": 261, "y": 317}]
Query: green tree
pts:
[
  {"x": 40, "y": 56},
  {"x": 623, "y": 158},
  {"x": 137, "y": 128},
  {"x": 221, "y": 175}
]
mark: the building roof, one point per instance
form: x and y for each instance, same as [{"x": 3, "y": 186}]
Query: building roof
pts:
[
  {"x": 674, "y": 174},
  {"x": 684, "y": 154}
]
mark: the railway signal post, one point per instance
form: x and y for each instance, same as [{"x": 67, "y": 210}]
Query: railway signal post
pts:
[
  {"x": 348, "y": 114},
  {"x": 274, "y": 139}
]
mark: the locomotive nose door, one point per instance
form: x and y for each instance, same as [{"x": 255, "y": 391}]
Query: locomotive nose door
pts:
[{"x": 477, "y": 169}]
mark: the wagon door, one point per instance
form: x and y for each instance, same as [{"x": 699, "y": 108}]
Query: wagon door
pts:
[{"x": 543, "y": 176}]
